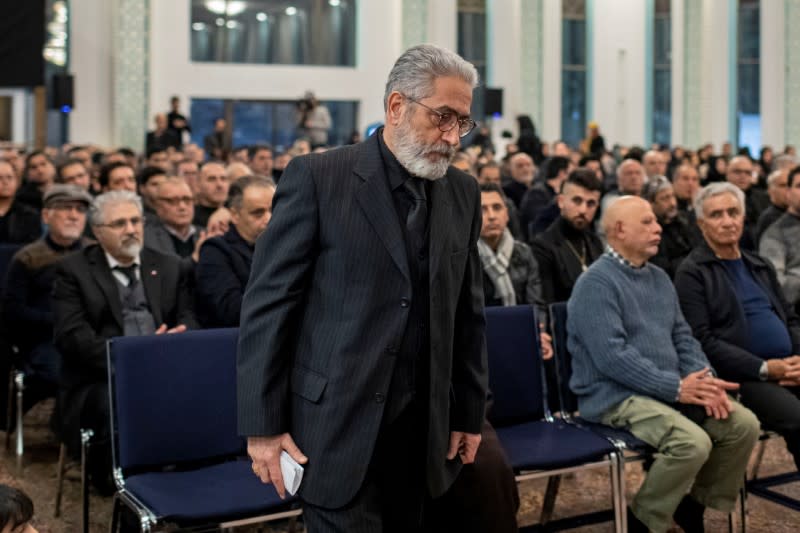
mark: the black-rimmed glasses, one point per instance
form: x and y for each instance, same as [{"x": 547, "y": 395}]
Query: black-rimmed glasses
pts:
[{"x": 448, "y": 120}]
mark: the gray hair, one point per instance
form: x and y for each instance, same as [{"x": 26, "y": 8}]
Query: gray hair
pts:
[
  {"x": 784, "y": 161},
  {"x": 774, "y": 176},
  {"x": 112, "y": 198},
  {"x": 236, "y": 192},
  {"x": 715, "y": 189},
  {"x": 655, "y": 185},
  {"x": 414, "y": 72}
]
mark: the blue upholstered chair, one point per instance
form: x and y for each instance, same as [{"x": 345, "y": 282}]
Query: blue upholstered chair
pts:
[
  {"x": 537, "y": 445},
  {"x": 177, "y": 456}
]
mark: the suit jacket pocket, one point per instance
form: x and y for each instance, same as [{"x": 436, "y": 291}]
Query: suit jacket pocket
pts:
[{"x": 308, "y": 384}]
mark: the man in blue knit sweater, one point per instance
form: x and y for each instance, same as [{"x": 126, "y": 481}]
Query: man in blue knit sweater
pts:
[{"x": 637, "y": 366}]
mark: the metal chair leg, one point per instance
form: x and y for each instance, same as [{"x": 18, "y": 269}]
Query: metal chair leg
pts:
[
  {"x": 19, "y": 380},
  {"x": 743, "y": 506},
  {"x": 62, "y": 466},
  {"x": 10, "y": 408},
  {"x": 86, "y": 437},
  {"x": 615, "y": 493},
  {"x": 115, "y": 511},
  {"x": 762, "y": 446},
  {"x": 553, "y": 483}
]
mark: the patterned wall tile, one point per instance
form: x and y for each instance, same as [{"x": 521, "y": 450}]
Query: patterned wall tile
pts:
[
  {"x": 792, "y": 83},
  {"x": 415, "y": 22},
  {"x": 131, "y": 71},
  {"x": 531, "y": 60},
  {"x": 692, "y": 73}
]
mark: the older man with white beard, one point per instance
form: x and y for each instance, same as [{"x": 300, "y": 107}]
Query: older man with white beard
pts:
[
  {"x": 110, "y": 289},
  {"x": 365, "y": 301}
]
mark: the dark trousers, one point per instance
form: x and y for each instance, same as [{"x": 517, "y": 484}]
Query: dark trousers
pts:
[
  {"x": 778, "y": 409},
  {"x": 484, "y": 496},
  {"x": 393, "y": 498},
  {"x": 393, "y": 495}
]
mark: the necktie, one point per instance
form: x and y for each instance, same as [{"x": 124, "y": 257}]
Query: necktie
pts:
[
  {"x": 418, "y": 214},
  {"x": 129, "y": 272}
]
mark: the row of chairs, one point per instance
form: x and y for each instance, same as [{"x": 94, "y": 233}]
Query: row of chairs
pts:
[{"x": 178, "y": 458}]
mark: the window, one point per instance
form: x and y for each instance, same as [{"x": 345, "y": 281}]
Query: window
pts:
[
  {"x": 748, "y": 78},
  {"x": 273, "y": 122},
  {"x": 472, "y": 45},
  {"x": 573, "y": 71},
  {"x": 662, "y": 73},
  {"x": 295, "y": 32}
]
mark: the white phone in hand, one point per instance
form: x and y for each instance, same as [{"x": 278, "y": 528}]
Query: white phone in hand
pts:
[{"x": 292, "y": 473}]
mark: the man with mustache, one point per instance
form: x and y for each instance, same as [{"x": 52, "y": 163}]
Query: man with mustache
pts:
[
  {"x": 636, "y": 366},
  {"x": 361, "y": 349},
  {"x": 567, "y": 248},
  {"x": 678, "y": 234},
  {"x": 27, "y": 308},
  {"x": 110, "y": 289}
]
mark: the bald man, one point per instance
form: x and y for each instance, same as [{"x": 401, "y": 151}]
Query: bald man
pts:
[{"x": 636, "y": 366}]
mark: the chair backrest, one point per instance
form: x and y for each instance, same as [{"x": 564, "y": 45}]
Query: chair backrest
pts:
[
  {"x": 173, "y": 398},
  {"x": 7, "y": 252},
  {"x": 563, "y": 359},
  {"x": 515, "y": 365}
]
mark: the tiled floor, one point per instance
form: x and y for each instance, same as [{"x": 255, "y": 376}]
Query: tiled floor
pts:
[{"x": 579, "y": 493}]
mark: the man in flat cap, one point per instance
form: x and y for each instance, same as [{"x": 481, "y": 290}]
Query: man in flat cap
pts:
[{"x": 26, "y": 305}]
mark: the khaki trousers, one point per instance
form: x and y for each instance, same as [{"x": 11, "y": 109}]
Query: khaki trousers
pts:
[{"x": 710, "y": 459}]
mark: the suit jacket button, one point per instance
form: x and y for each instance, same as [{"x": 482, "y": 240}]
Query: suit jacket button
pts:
[
  {"x": 404, "y": 302},
  {"x": 393, "y": 349},
  {"x": 379, "y": 398}
]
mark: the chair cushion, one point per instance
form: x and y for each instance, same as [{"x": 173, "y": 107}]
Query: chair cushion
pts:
[
  {"x": 630, "y": 441},
  {"x": 211, "y": 494},
  {"x": 546, "y": 445}
]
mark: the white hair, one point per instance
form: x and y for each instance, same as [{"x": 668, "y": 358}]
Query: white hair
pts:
[
  {"x": 415, "y": 72},
  {"x": 112, "y": 198},
  {"x": 715, "y": 189}
]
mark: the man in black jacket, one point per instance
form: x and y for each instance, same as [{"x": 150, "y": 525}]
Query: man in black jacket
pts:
[
  {"x": 19, "y": 224},
  {"x": 225, "y": 261},
  {"x": 108, "y": 290},
  {"x": 361, "y": 345},
  {"x": 734, "y": 304},
  {"x": 569, "y": 245},
  {"x": 678, "y": 234}
]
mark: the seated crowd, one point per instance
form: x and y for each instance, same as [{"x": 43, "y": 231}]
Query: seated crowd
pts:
[{"x": 690, "y": 292}]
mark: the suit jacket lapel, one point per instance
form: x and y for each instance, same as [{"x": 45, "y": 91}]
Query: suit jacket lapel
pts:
[
  {"x": 376, "y": 201},
  {"x": 102, "y": 274},
  {"x": 438, "y": 222},
  {"x": 151, "y": 282}
]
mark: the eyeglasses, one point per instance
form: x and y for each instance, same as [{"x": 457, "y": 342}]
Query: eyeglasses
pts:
[
  {"x": 174, "y": 202},
  {"x": 122, "y": 223},
  {"x": 80, "y": 208},
  {"x": 448, "y": 120}
]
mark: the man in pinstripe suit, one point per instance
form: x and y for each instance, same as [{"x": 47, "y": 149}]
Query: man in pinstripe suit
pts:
[{"x": 361, "y": 349}]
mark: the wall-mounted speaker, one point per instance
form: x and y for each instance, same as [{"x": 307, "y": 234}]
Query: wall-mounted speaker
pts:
[
  {"x": 493, "y": 101},
  {"x": 62, "y": 92}
]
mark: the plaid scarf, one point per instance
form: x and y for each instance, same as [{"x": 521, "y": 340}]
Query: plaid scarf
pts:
[{"x": 496, "y": 266}]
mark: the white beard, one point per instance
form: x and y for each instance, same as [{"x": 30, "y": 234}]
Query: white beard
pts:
[
  {"x": 131, "y": 249},
  {"x": 413, "y": 153}
]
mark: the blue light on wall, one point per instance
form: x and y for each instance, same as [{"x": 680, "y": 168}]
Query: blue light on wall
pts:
[{"x": 66, "y": 109}]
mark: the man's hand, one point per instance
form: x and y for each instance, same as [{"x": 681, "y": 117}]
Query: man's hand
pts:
[
  {"x": 219, "y": 221},
  {"x": 776, "y": 369},
  {"x": 702, "y": 388},
  {"x": 791, "y": 375},
  {"x": 463, "y": 444},
  {"x": 547, "y": 345},
  {"x": 180, "y": 328},
  {"x": 266, "y": 455}
]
